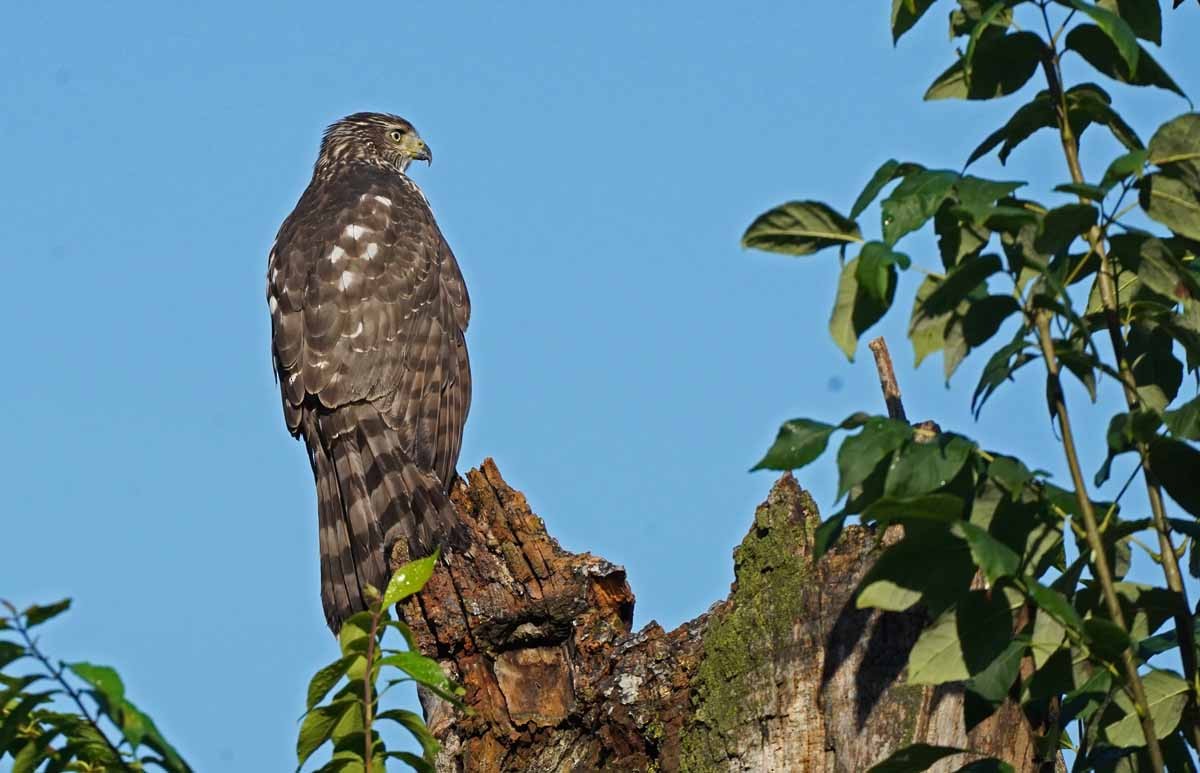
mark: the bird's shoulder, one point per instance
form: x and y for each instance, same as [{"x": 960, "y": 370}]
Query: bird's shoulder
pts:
[{"x": 351, "y": 194}]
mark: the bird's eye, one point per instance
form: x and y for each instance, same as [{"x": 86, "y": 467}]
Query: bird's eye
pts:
[{"x": 396, "y": 135}]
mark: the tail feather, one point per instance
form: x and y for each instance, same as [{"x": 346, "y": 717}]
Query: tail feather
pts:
[
  {"x": 370, "y": 495},
  {"x": 339, "y": 578}
]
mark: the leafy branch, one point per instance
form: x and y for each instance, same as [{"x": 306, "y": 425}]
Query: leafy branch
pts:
[
  {"x": 34, "y": 732},
  {"x": 968, "y": 511},
  {"x": 348, "y": 720}
]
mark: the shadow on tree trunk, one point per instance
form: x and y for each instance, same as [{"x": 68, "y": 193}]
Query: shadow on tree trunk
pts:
[{"x": 783, "y": 675}]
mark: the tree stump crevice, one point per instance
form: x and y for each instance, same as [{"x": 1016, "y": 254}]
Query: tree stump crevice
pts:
[{"x": 785, "y": 674}]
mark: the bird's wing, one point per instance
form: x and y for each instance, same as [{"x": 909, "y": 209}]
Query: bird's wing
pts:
[{"x": 367, "y": 304}]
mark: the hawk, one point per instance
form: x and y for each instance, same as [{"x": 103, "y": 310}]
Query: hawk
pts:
[{"x": 368, "y": 316}]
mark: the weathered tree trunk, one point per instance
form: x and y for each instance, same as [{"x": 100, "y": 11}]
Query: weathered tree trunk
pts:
[{"x": 783, "y": 675}]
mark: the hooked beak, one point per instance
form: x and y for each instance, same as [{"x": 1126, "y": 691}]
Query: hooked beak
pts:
[{"x": 422, "y": 152}]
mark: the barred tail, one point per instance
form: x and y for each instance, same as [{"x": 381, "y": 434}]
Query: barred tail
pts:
[{"x": 370, "y": 495}]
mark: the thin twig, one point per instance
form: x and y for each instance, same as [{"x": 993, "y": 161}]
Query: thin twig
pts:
[
  {"x": 57, "y": 674},
  {"x": 368, "y": 681},
  {"x": 887, "y": 379}
]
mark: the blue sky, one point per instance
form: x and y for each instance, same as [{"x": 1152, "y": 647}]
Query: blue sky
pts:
[{"x": 596, "y": 166}]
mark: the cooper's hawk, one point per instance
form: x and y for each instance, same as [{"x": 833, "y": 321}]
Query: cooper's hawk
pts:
[{"x": 368, "y": 310}]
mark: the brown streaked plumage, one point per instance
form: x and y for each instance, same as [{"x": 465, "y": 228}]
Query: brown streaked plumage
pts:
[{"x": 368, "y": 315}]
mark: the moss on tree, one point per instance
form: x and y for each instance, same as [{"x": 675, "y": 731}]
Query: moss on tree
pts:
[{"x": 741, "y": 645}]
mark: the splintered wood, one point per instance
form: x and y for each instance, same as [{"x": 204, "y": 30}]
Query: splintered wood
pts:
[{"x": 783, "y": 675}]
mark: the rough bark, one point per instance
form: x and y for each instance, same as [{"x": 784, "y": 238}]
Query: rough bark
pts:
[{"x": 783, "y": 675}]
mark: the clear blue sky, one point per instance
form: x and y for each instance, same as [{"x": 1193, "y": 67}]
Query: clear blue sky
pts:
[{"x": 596, "y": 166}]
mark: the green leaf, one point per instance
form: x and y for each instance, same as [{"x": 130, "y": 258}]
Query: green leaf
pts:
[
  {"x": 860, "y": 454},
  {"x": 1163, "y": 273},
  {"x": 1063, "y": 225},
  {"x": 15, "y": 716},
  {"x": 965, "y": 18},
  {"x": 1105, "y": 638},
  {"x": 1175, "y": 149},
  {"x": 1002, "y": 65},
  {"x": 1079, "y": 362},
  {"x": 1116, "y": 29},
  {"x": 318, "y": 725},
  {"x": 413, "y": 761},
  {"x": 1097, "y": 48},
  {"x": 957, "y": 235},
  {"x": 799, "y": 442},
  {"x": 423, "y": 670},
  {"x": 960, "y": 281},
  {"x": 1176, "y": 464},
  {"x": 1053, "y": 603},
  {"x": 1171, "y": 203},
  {"x": 1088, "y": 103},
  {"x": 914, "y": 758},
  {"x": 937, "y": 656},
  {"x": 995, "y": 680},
  {"x": 1184, "y": 422},
  {"x": 355, "y": 633},
  {"x": 903, "y": 574},
  {"x": 985, "y": 626},
  {"x": 1087, "y": 191},
  {"x": 989, "y": 765},
  {"x": 888, "y": 171},
  {"x": 962, "y": 641},
  {"x": 1010, "y": 473},
  {"x": 906, "y": 13},
  {"x": 103, "y": 679},
  {"x": 1143, "y": 16},
  {"x": 914, "y": 201},
  {"x": 1123, "y": 166},
  {"x": 1185, "y": 328},
  {"x": 1048, "y": 637},
  {"x": 1176, "y": 142},
  {"x": 826, "y": 535},
  {"x": 855, "y": 310},
  {"x": 409, "y": 579},
  {"x": 1125, "y": 431},
  {"x": 1155, "y": 645},
  {"x": 1000, "y": 368},
  {"x": 1037, "y": 114},
  {"x": 1156, "y": 371},
  {"x": 36, "y": 614},
  {"x": 324, "y": 680},
  {"x": 415, "y": 725},
  {"x": 876, "y": 272},
  {"x": 11, "y": 651},
  {"x": 982, "y": 28},
  {"x": 1166, "y": 694},
  {"x": 926, "y": 331},
  {"x": 941, "y": 507},
  {"x": 800, "y": 228},
  {"x": 921, "y": 467},
  {"x": 992, "y": 556},
  {"x": 33, "y": 753},
  {"x": 985, "y": 316},
  {"x": 977, "y": 196}
]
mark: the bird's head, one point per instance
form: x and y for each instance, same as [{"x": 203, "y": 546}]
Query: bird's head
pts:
[{"x": 374, "y": 138}]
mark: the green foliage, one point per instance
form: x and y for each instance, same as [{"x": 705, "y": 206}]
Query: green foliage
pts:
[
  {"x": 76, "y": 716},
  {"x": 347, "y": 720},
  {"x": 1057, "y": 282},
  {"x": 915, "y": 758},
  {"x": 69, "y": 716}
]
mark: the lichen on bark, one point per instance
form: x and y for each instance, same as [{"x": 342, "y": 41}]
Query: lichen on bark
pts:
[
  {"x": 786, "y": 674},
  {"x": 742, "y": 644}
]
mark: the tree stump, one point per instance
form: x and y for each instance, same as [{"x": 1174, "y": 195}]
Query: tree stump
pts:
[{"x": 783, "y": 675}]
